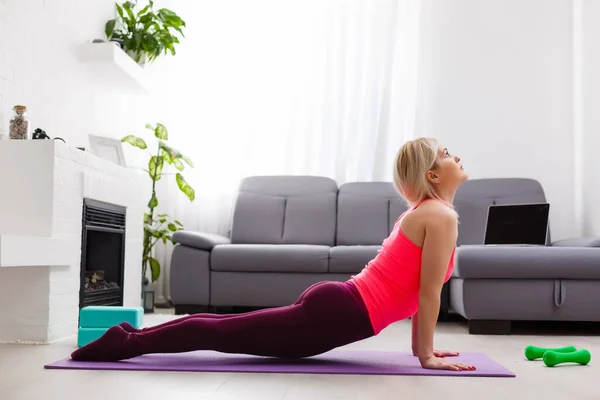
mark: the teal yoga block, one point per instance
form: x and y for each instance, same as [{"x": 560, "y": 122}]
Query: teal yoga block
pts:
[
  {"x": 87, "y": 335},
  {"x": 107, "y": 316}
]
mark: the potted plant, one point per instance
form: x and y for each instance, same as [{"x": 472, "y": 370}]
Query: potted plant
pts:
[
  {"x": 147, "y": 33},
  {"x": 160, "y": 227}
]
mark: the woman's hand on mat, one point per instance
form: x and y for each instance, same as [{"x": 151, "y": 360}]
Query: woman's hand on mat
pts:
[
  {"x": 445, "y": 353},
  {"x": 439, "y": 353},
  {"x": 434, "y": 362}
]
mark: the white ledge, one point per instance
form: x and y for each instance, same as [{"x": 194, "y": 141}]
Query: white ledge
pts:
[
  {"x": 114, "y": 66},
  {"x": 22, "y": 251}
]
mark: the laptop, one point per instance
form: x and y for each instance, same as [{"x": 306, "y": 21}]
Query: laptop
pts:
[{"x": 517, "y": 225}]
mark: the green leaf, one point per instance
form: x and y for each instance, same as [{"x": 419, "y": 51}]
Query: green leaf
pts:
[
  {"x": 155, "y": 166},
  {"x": 178, "y": 164},
  {"x": 187, "y": 160},
  {"x": 135, "y": 141},
  {"x": 143, "y": 10},
  {"x": 179, "y": 223},
  {"x": 171, "y": 153},
  {"x": 120, "y": 11},
  {"x": 110, "y": 28},
  {"x": 185, "y": 187},
  {"x": 162, "y": 215},
  {"x": 153, "y": 203},
  {"x": 172, "y": 156},
  {"x": 166, "y": 156},
  {"x": 155, "y": 268},
  {"x": 157, "y": 234},
  {"x": 138, "y": 39},
  {"x": 145, "y": 18},
  {"x": 161, "y": 132},
  {"x": 173, "y": 227},
  {"x": 166, "y": 12},
  {"x": 129, "y": 8}
]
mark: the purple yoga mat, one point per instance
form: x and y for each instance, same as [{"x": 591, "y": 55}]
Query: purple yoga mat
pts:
[{"x": 333, "y": 362}]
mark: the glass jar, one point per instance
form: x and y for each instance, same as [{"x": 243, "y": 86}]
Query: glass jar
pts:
[{"x": 19, "y": 124}]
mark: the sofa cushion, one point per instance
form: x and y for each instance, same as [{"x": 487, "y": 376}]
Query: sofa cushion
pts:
[
  {"x": 351, "y": 259},
  {"x": 367, "y": 212},
  {"x": 285, "y": 210},
  {"x": 474, "y": 197},
  {"x": 270, "y": 258},
  {"x": 514, "y": 262}
]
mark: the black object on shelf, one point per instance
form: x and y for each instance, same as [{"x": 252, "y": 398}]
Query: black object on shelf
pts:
[{"x": 40, "y": 134}]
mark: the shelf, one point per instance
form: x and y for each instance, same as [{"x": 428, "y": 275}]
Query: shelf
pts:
[
  {"x": 114, "y": 67},
  {"x": 29, "y": 251}
]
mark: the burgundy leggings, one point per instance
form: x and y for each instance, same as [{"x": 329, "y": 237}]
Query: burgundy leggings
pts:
[{"x": 327, "y": 315}]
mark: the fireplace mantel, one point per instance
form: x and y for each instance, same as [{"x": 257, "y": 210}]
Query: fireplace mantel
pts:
[{"x": 42, "y": 187}]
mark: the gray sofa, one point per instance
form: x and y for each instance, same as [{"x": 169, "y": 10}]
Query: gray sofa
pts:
[
  {"x": 289, "y": 232},
  {"x": 493, "y": 286}
]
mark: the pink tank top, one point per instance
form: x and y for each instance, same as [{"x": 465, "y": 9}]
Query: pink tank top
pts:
[{"x": 389, "y": 284}]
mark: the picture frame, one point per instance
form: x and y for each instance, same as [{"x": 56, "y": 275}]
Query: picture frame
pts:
[{"x": 108, "y": 148}]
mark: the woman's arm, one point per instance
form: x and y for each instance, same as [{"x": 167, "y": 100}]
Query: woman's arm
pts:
[
  {"x": 440, "y": 238},
  {"x": 413, "y": 337}
]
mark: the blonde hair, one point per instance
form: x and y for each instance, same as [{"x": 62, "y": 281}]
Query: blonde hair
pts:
[{"x": 412, "y": 162}]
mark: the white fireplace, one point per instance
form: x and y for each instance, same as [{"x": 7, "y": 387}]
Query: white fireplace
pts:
[{"x": 43, "y": 184}]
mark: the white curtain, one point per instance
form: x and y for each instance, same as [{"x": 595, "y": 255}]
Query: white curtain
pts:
[{"x": 319, "y": 87}]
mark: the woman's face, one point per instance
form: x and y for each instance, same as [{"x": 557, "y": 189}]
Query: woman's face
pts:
[{"x": 449, "y": 172}]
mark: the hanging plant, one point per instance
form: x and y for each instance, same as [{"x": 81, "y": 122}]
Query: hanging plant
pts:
[{"x": 147, "y": 33}]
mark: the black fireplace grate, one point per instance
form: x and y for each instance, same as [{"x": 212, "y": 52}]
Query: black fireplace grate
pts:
[
  {"x": 103, "y": 297},
  {"x": 99, "y": 217}
]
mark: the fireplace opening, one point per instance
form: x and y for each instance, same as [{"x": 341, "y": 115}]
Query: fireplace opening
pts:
[{"x": 102, "y": 254}]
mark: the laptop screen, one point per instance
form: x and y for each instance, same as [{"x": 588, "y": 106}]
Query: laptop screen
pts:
[{"x": 517, "y": 224}]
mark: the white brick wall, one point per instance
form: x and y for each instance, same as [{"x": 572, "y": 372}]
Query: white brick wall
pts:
[
  {"x": 24, "y": 294},
  {"x": 40, "y": 303}
]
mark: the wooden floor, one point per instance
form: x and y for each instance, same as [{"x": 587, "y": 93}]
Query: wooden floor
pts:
[{"x": 22, "y": 375}]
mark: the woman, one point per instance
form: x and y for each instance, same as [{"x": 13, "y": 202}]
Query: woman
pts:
[{"x": 406, "y": 276}]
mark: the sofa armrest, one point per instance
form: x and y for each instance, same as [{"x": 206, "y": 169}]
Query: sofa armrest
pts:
[
  {"x": 190, "y": 276},
  {"x": 578, "y": 242},
  {"x": 199, "y": 240}
]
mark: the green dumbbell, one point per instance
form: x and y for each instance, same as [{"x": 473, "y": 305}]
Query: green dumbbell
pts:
[
  {"x": 533, "y": 352},
  {"x": 552, "y": 358}
]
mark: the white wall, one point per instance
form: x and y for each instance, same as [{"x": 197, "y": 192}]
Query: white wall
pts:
[
  {"x": 39, "y": 68},
  {"x": 497, "y": 84},
  {"x": 497, "y": 90},
  {"x": 590, "y": 93}
]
